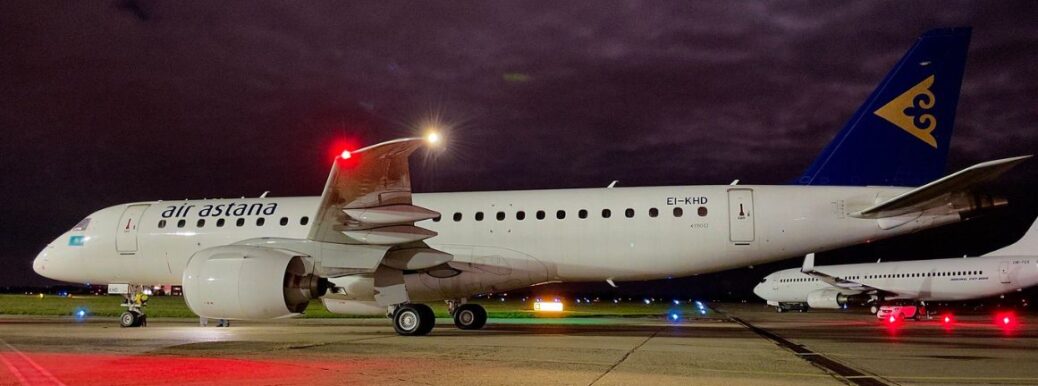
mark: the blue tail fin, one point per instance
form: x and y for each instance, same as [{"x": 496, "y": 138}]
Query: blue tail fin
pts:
[{"x": 901, "y": 134}]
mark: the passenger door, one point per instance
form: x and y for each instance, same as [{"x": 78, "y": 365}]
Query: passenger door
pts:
[
  {"x": 1003, "y": 272},
  {"x": 126, "y": 234}
]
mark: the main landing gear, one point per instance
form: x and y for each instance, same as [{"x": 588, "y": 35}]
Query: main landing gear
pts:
[
  {"x": 467, "y": 316},
  {"x": 415, "y": 319},
  {"x": 470, "y": 316}
]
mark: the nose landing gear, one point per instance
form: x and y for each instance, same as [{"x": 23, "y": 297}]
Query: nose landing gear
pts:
[{"x": 134, "y": 300}]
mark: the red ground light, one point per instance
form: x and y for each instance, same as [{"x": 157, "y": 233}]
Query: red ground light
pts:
[{"x": 17, "y": 368}]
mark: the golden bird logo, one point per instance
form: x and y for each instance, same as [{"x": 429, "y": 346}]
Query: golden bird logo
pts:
[{"x": 911, "y": 111}]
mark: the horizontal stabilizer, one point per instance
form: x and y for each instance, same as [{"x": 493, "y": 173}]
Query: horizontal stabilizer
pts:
[{"x": 938, "y": 192}]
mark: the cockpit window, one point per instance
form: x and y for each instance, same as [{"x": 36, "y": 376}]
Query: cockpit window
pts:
[
  {"x": 82, "y": 225},
  {"x": 763, "y": 280}
]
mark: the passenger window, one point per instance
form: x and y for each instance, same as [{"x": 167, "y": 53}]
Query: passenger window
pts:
[
  {"x": 606, "y": 213},
  {"x": 702, "y": 211},
  {"x": 162, "y": 224},
  {"x": 200, "y": 223},
  {"x": 582, "y": 213},
  {"x": 181, "y": 223},
  {"x": 240, "y": 222},
  {"x": 520, "y": 215},
  {"x": 560, "y": 214},
  {"x": 305, "y": 220},
  {"x": 678, "y": 212},
  {"x": 284, "y": 221},
  {"x": 479, "y": 216},
  {"x": 500, "y": 216},
  {"x": 260, "y": 221},
  {"x": 457, "y": 216},
  {"x": 540, "y": 215},
  {"x": 653, "y": 212},
  {"x": 219, "y": 223},
  {"x": 629, "y": 213}
]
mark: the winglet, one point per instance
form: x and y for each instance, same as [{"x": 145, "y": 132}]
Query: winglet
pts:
[
  {"x": 374, "y": 176},
  {"x": 809, "y": 263}
]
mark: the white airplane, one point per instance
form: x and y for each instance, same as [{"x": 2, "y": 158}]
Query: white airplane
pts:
[
  {"x": 1005, "y": 270},
  {"x": 359, "y": 247}
]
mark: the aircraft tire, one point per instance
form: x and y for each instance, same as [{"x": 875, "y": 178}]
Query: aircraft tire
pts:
[
  {"x": 129, "y": 319},
  {"x": 470, "y": 317},
  {"x": 413, "y": 320},
  {"x": 428, "y": 318}
]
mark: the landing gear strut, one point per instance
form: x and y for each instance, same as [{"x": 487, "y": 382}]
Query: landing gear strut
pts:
[
  {"x": 413, "y": 319},
  {"x": 134, "y": 300}
]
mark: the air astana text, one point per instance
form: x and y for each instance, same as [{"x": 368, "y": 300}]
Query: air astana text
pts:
[{"x": 231, "y": 209}]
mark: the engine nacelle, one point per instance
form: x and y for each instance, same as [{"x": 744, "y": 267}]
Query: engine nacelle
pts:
[
  {"x": 826, "y": 298},
  {"x": 248, "y": 282}
]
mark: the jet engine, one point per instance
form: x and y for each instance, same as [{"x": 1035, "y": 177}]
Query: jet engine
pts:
[
  {"x": 247, "y": 282},
  {"x": 827, "y": 298}
]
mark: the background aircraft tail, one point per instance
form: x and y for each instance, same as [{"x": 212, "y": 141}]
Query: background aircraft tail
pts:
[
  {"x": 901, "y": 134},
  {"x": 1026, "y": 246}
]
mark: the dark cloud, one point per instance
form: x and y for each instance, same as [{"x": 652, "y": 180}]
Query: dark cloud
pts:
[{"x": 109, "y": 102}]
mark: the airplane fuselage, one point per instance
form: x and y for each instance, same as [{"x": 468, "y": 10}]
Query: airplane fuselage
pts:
[
  {"x": 926, "y": 280},
  {"x": 620, "y": 234}
]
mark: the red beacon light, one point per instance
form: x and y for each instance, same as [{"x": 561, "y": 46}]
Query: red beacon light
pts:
[{"x": 345, "y": 154}]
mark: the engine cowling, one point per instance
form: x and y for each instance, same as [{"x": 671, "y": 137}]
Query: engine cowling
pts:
[
  {"x": 248, "y": 282},
  {"x": 826, "y": 298}
]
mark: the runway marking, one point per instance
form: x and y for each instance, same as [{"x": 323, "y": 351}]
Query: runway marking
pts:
[
  {"x": 21, "y": 374},
  {"x": 627, "y": 354},
  {"x": 839, "y": 370}
]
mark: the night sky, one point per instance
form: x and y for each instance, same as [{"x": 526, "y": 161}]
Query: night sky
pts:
[{"x": 106, "y": 102}]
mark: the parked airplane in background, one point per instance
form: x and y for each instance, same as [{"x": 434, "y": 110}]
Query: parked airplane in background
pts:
[
  {"x": 1005, "y": 270},
  {"x": 358, "y": 248}
]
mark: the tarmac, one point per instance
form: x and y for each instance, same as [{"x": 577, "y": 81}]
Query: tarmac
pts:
[{"x": 733, "y": 344}]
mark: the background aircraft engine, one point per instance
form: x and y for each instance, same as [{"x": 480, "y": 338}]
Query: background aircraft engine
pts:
[
  {"x": 826, "y": 298},
  {"x": 246, "y": 282}
]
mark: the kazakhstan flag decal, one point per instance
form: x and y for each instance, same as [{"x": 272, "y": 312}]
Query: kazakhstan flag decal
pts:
[{"x": 911, "y": 111}]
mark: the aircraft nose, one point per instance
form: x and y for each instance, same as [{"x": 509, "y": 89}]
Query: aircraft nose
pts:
[
  {"x": 758, "y": 290},
  {"x": 39, "y": 263}
]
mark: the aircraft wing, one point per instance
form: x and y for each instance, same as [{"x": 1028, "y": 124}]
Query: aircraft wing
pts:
[
  {"x": 942, "y": 191},
  {"x": 366, "y": 204},
  {"x": 838, "y": 282},
  {"x": 367, "y": 199}
]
